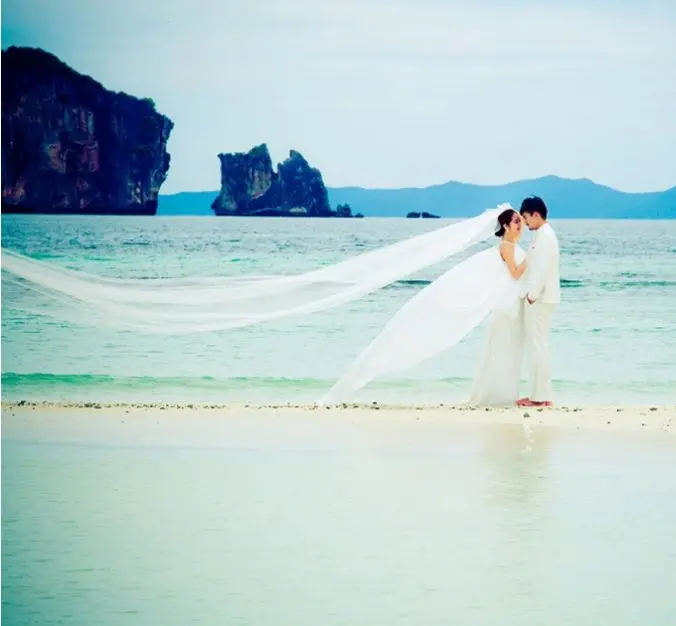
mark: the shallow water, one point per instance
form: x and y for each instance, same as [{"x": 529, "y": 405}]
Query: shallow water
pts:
[{"x": 387, "y": 524}]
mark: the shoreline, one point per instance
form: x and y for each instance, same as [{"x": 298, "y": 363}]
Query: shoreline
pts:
[
  {"x": 374, "y": 405},
  {"x": 26, "y": 418}
]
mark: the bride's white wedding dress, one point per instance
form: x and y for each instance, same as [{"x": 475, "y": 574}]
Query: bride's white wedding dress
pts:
[{"x": 497, "y": 378}]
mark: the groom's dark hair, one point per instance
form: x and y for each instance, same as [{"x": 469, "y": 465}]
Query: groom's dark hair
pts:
[{"x": 534, "y": 205}]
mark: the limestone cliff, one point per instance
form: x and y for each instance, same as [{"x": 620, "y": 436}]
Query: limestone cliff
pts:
[
  {"x": 71, "y": 146},
  {"x": 250, "y": 186}
]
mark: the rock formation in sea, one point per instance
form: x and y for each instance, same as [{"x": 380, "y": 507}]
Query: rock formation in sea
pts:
[
  {"x": 71, "y": 146},
  {"x": 251, "y": 187}
]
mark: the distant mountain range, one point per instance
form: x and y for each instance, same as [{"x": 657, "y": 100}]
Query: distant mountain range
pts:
[{"x": 565, "y": 198}]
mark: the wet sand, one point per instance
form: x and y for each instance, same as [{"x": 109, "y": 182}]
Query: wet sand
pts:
[{"x": 397, "y": 515}]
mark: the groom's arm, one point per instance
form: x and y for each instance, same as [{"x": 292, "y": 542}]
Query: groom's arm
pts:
[{"x": 541, "y": 259}]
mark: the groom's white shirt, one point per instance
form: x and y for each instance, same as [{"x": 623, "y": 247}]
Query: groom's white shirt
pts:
[{"x": 541, "y": 281}]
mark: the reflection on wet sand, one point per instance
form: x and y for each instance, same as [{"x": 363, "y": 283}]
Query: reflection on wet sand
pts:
[
  {"x": 515, "y": 459},
  {"x": 516, "y": 456}
]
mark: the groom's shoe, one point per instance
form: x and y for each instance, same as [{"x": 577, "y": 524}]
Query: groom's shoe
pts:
[{"x": 544, "y": 403}]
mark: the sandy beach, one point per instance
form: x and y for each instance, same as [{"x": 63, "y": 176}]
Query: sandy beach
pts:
[{"x": 195, "y": 424}]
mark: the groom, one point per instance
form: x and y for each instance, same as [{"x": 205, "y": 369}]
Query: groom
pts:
[{"x": 541, "y": 293}]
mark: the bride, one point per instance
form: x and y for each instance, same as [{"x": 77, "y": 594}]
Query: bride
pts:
[
  {"x": 434, "y": 320},
  {"x": 497, "y": 378}
]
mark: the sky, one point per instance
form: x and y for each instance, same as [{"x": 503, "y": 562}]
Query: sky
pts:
[{"x": 388, "y": 93}]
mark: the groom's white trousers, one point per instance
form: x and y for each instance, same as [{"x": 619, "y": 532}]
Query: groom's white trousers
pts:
[{"x": 536, "y": 329}]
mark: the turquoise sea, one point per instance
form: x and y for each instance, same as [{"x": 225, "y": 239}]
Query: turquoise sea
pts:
[{"x": 613, "y": 341}]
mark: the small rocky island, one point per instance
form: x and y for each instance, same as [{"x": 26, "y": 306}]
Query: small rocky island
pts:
[
  {"x": 71, "y": 146},
  {"x": 251, "y": 187},
  {"x": 424, "y": 215}
]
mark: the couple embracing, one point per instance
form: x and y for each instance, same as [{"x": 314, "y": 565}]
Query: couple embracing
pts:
[{"x": 523, "y": 325}]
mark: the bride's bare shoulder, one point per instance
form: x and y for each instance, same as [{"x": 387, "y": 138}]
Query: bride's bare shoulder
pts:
[{"x": 506, "y": 249}]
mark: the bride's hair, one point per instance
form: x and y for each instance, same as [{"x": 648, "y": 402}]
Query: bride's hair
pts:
[{"x": 504, "y": 219}]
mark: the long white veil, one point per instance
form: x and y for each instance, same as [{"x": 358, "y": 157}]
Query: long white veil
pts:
[
  {"x": 434, "y": 320},
  {"x": 202, "y": 304}
]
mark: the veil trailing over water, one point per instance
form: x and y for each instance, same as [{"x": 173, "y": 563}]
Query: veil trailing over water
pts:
[
  {"x": 435, "y": 319},
  {"x": 202, "y": 304}
]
